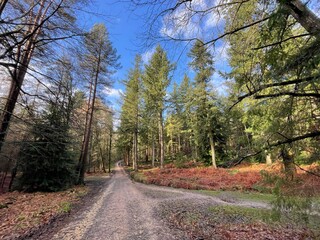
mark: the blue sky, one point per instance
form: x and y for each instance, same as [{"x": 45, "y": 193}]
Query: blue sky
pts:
[{"x": 127, "y": 26}]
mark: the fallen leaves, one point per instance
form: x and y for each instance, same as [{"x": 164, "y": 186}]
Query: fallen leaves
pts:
[
  {"x": 22, "y": 212},
  {"x": 199, "y": 223}
]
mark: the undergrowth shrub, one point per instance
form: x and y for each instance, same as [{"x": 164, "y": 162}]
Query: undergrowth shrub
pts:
[
  {"x": 45, "y": 162},
  {"x": 289, "y": 204}
]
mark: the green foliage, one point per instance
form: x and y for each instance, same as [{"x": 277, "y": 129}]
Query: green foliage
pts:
[
  {"x": 260, "y": 66},
  {"x": 235, "y": 214},
  {"x": 286, "y": 206},
  {"x": 156, "y": 80},
  {"x": 180, "y": 160},
  {"x": 296, "y": 208},
  {"x": 45, "y": 162},
  {"x": 131, "y": 108},
  {"x": 205, "y": 120},
  {"x": 138, "y": 176},
  {"x": 178, "y": 124},
  {"x": 65, "y": 207}
]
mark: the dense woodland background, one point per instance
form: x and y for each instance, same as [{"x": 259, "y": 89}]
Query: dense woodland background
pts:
[{"x": 55, "y": 125}]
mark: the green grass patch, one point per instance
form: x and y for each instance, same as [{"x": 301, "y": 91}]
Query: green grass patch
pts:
[
  {"x": 241, "y": 214},
  {"x": 65, "y": 207},
  {"x": 234, "y": 214},
  {"x": 232, "y": 171},
  {"x": 138, "y": 177},
  {"x": 238, "y": 195}
]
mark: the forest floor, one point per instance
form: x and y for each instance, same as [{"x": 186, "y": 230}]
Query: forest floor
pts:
[
  {"x": 28, "y": 214},
  {"x": 118, "y": 208}
]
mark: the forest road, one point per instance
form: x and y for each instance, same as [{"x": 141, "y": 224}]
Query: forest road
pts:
[{"x": 126, "y": 210}]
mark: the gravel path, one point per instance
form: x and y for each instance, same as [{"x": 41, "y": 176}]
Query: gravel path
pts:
[{"x": 129, "y": 211}]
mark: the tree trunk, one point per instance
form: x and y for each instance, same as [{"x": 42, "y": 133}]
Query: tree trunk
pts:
[
  {"x": 85, "y": 143},
  {"x": 268, "y": 159},
  {"x": 161, "y": 139},
  {"x": 304, "y": 16},
  {"x": 153, "y": 152},
  {"x": 85, "y": 148},
  {"x": 288, "y": 162},
  {"x": 172, "y": 147},
  {"x": 125, "y": 158},
  {"x": 128, "y": 156},
  {"x": 84, "y": 154},
  {"x": 14, "y": 92},
  {"x": 135, "y": 151},
  {"x": 90, "y": 155},
  {"x": 147, "y": 154},
  {"x": 213, "y": 151},
  {"x": 102, "y": 160},
  {"x": 110, "y": 149},
  {"x": 13, "y": 176}
]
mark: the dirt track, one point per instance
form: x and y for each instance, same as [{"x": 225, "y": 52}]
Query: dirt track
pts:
[{"x": 129, "y": 210}]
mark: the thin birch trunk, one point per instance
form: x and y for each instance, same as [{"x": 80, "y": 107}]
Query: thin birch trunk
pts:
[
  {"x": 161, "y": 139},
  {"x": 213, "y": 151}
]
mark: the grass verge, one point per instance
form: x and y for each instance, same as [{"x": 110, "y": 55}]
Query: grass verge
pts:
[{"x": 239, "y": 196}]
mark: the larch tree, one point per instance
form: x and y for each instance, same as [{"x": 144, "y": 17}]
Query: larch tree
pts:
[
  {"x": 156, "y": 79},
  {"x": 98, "y": 61}
]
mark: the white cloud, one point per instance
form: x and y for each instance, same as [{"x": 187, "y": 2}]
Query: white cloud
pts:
[
  {"x": 112, "y": 92},
  {"x": 193, "y": 20},
  {"x": 213, "y": 19},
  {"x": 221, "y": 52},
  {"x": 219, "y": 84},
  {"x": 147, "y": 55},
  {"x": 180, "y": 24},
  {"x": 199, "y": 5},
  {"x": 5, "y": 84}
]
